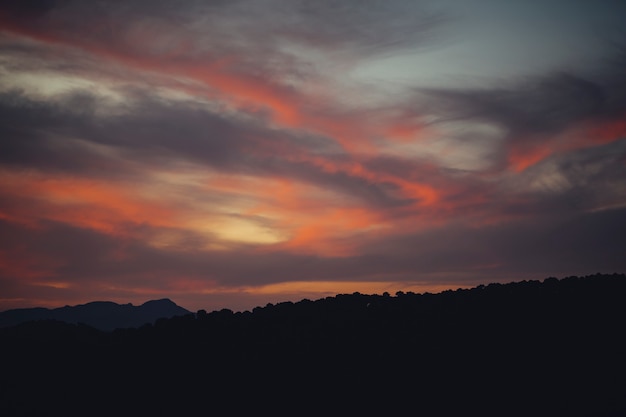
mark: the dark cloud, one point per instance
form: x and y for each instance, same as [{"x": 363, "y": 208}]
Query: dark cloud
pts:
[
  {"x": 51, "y": 136},
  {"x": 366, "y": 27},
  {"x": 27, "y": 9},
  {"x": 56, "y": 135},
  {"x": 251, "y": 28},
  {"x": 578, "y": 181},
  {"x": 584, "y": 242},
  {"x": 540, "y": 106},
  {"x": 33, "y": 129},
  {"x": 549, "y": 244}
]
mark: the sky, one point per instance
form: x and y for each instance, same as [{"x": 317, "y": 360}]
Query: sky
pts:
[{"x": 230, "y": 154}]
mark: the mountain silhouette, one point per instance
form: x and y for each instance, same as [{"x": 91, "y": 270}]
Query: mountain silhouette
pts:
[
  {"x": 531, "y": 348},
  {"x": 103, "y": 315}
]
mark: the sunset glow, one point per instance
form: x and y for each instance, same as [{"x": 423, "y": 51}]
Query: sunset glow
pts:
[{"x": 224, "y": 156}]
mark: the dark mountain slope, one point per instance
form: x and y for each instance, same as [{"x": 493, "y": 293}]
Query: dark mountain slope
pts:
[
  {"x": 551, "y": 348},
  {"x": 103, "y": 315}
]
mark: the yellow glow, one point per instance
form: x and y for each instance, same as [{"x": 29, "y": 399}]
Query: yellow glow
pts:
[
  {"x": 51, "y": 284},
  {"x": 326, "y": 288},
  {"x": 168, "y": 239},
  {"x": 236, "y": 229}
]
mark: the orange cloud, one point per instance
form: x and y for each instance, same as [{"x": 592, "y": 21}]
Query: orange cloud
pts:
[
  {"x": 221, "y": 80},
  {"x": 318, "y": 220},
  {"x": 103, "y": 206},
  {"x": 521, "y": 158},
  {"x": 326, "y": 231},
  {"x": 609, "y": 131},
  {"x": 312, "y": 219},
  {"x": 20, "y": 263},
  {"x": 422, "y": 192},
  {"x": 583, "y": 136},
  {"x": 403, "y": 129}
]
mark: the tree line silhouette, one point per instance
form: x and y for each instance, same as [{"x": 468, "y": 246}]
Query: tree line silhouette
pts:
[{"x": 552, "y": 347}]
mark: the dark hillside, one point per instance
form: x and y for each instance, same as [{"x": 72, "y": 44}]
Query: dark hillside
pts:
[{"x": 529, "y": 348}]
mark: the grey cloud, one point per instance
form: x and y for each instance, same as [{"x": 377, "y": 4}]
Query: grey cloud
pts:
[
  {"x": 374, "y": 194},
  {"x": 55, "y": 135},
  {"x": 550, "y": 244},
  {"x": 588, "y": 242},
  {"x": 367, "y": 26},
  {"x": 578, "y": 181},
  {"x": 545, "y": 112},
  {"x": 29, "y": 126},
  {"x": 27, "y": 9},
  {"x": 545, "y": 105},
  {"x": 537, "y": 107},
  {"x": 255, "y": 31}
]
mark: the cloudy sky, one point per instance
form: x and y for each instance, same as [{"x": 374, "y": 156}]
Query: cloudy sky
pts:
[{"x": 227, "y": 154}]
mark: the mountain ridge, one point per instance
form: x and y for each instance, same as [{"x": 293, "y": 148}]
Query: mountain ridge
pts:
[{"x": 102, "y": 315}]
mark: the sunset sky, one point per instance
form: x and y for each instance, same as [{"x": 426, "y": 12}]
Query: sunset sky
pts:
[{"x": 228, "y": 154}]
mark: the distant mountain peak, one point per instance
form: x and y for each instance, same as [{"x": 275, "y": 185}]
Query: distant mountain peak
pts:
[
  {"x": 103, "y": 315},
  {"x": 162, "y": 301}
]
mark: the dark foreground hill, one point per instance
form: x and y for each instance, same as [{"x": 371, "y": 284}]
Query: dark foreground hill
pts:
[
  {"x": 103, "y": 315},
  {"x": 551, "y": 348}
]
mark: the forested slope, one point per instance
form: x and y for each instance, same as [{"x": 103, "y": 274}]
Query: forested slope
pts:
[{"x": 554, "y": 347}]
